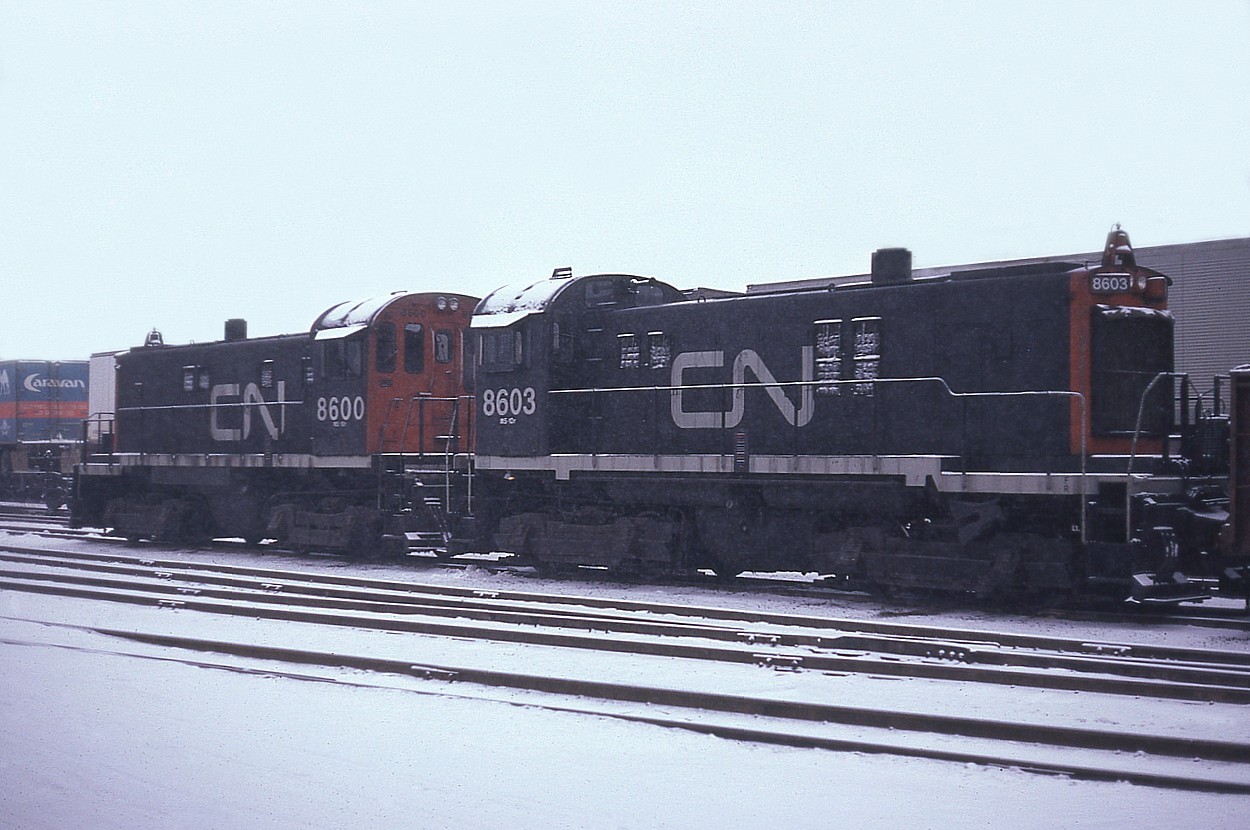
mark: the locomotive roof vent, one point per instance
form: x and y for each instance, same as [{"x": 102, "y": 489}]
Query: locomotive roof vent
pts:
[
  {"x": 236, "y": 329},
  {"x": 891, "y": 266},
  {"x": 562, "y": 273}
]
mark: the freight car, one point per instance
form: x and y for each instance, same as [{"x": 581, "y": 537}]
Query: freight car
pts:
[
  {"x": 1002, "y": 430},
  {"x": 347, "y": 437},
  {"x": 42, "y": 403}
]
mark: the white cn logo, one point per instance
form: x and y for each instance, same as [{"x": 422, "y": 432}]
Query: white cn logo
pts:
[
  {"x": 747, "y": 360},
  {"x": 226, "y": 396}
]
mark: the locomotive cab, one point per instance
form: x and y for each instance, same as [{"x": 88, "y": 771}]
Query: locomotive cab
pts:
[
  {"x": 536, "y": 337},
  {"x": 386, "y": 374}
]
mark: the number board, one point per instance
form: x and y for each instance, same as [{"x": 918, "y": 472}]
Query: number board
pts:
[{"x": 1111, "y": 283}]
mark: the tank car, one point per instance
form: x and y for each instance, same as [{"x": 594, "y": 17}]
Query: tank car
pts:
[
  {"x": 993, "y": 431},
  {"x": 347, "y": 437}
]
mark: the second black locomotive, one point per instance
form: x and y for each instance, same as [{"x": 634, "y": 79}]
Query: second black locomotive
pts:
[{"x": 990, "y": 430}]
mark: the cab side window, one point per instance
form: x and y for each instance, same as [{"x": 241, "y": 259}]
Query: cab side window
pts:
[
  {"x": 386, "y": 348},
  {"x": 414, "y": 348},
  {"x": 500, "y": 350},
  {"x": 343, "y": 358}
]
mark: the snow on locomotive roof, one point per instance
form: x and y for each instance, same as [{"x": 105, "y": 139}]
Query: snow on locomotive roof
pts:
[
  {"x": 353, "y": 313},
  {"x": 504, "y": 306},
  {"x": 359, "y": 314},
  {"x": 511, "y": 303},
  {"x": 338, "y": 332}
]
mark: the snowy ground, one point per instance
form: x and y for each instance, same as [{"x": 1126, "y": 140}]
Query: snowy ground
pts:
[{"x": 98, "y": 732}]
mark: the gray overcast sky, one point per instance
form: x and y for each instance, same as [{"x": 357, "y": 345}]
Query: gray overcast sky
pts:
[{"x": 172, "y": 164}]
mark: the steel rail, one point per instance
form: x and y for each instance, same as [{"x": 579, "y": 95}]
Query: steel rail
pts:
[
  {"x": 930, "y": 660},
  {"x": 796, "y": 714},
  {"x": 1216, "y": 668},
  {"x": 1146, "y": 651}
]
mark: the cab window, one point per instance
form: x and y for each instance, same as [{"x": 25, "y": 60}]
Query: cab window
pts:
[
  {"x": 414, "y": 348},
  {"x": 442, "y": 347},
  {"x": 500, "y": 350},
  {"x": 386, "y": 348},
  {"x": 343, "y": 358}
]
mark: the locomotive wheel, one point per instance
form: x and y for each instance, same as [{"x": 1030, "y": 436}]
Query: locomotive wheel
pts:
[
  {"x": 364, "y": 534},
  {"x": 184, "y": 520},
  {"x": 281, "y": 515},
  {"x": 727, "y": 563},
  {"x": 54, "y": 499},
  {"x": 727, "y": 536},
  {"x": 726, "y": 572},
  {"x": 842, "y": 554}
]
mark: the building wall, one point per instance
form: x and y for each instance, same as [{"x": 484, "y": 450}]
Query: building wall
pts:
[{"x": 1210, "y": 297}]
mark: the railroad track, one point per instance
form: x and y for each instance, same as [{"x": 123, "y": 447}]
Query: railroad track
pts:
[
  {"x": 32, "y": 511},
  {"x": 820, "y": 650},
  {"x": 1232, "y": 618},
  {"x": 1223, "y": 616}
]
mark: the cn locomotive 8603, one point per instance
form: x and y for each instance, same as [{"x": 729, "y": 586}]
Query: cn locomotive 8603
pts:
[
  {"x": 997, "y": 430},
  {"x": 347, "y": 437}
]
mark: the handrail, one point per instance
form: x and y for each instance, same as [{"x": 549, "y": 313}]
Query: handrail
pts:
[
  {"x": 386, "y": 419},
  {"x": 403, "y": 435},
  {"x": 98, "y": 420},
  {"x": 1132, "y": 455},
  {"x": 448, "y": 454}
]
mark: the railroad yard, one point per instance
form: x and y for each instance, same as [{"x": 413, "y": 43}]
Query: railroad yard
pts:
[
  {"x": 200, "y": 687},
  {"x": 635, "y": 416}
]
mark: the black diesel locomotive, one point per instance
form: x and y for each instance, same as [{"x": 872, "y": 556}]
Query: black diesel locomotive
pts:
[
  {"x": 347, "y": 437},
  {"x": 995, "y": 430}
]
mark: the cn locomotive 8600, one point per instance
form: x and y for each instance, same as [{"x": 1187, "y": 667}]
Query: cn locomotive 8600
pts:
[
  {"x": 348, "y": 437},
  {"x": 998, "y": 430}
]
